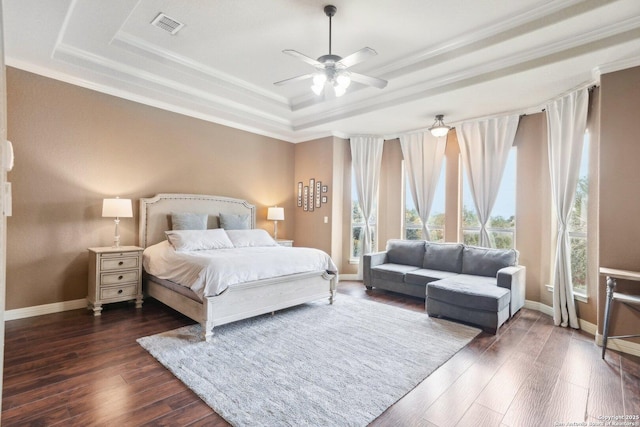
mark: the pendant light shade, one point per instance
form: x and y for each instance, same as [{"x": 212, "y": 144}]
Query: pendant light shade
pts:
[{"x": 438, "y": 128}]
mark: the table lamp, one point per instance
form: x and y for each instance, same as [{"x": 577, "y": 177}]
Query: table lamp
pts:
[
  {"x": 275, "y": 214},
  {"x": 116, "y": 208}
]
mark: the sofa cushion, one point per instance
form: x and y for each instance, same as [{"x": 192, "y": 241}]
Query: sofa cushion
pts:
[
  {"x": 423, "y": 276},
  {"x": 392, "y": 272},
  {"x": 475, "y": 296},
  {"x": 443, "y": 256},
  {"x": 487, "y": 261},
  {"x": 407, "y": 252}
]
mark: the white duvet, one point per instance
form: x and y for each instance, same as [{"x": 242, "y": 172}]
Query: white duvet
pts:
[{"x": 210, "y": 272}]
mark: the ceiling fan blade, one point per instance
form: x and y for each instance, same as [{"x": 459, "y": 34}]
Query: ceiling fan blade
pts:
[
  {"x": 303, "y": 57},
  {"x": 357, "y": 57},
  {"x": 367, "y": 80},
  {"x": 294, "y": 79}
]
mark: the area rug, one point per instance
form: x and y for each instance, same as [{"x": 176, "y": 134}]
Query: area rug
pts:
[{"x": 312, "y": 365}]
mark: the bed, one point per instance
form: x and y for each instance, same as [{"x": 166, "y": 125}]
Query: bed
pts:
[{"x": 236, "y": 302}]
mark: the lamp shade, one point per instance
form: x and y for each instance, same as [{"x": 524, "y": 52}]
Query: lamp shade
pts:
[
  {"x": 117, "y": 208},
  {"x": 275, "y": 214}
]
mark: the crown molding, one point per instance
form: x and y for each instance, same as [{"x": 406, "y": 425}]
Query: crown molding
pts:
[
  {"x": 488, "y": 71},
  {"x": 614, "y": 66},
  {"x": 140, "y": 47}
]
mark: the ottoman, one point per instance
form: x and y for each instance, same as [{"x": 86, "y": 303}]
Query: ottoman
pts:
[{"x": 485, "y": 305}]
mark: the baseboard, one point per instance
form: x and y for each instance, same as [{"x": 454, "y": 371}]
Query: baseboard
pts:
[
  {"x": 538, "y": 306},
  {"x": 38, "y": 310},
  {"x": 349, "y": 277},
  {"x": 622, "y": 346}
]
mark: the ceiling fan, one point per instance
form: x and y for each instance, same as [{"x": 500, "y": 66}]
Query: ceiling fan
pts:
[{"x": 332, "y": 70}]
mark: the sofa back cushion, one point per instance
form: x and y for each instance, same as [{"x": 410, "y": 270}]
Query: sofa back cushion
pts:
[
  {"x": 487, "y": 261},
  {"x": 443, "y": 257},
  {"x": 407, "y": 252}
]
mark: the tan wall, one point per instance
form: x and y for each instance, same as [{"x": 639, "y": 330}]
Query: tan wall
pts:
[
  {"x": 390, "y": 193},
  {"x": 533, "y": 205},
  {"x": 314, "y": 159},
  {"x": 74, "y": 147},
  {"x": 619, "y": 228}
]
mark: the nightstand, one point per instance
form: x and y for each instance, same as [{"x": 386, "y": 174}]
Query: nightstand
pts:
[
  {"x": 284, "y": 242},
  {"x": 115, "y": 274}
]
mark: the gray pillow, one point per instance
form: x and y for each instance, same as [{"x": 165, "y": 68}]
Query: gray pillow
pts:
[
  {"x": 188, "y": 221},
  {"x": 443, "y": 257},
  {"x": 234, "y": 222},
  {"x": 487, "y": 261},
  {"x": 407, "y": 252}
]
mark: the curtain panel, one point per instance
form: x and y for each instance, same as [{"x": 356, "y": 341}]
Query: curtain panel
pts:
[
  {"x": 366, "y": 157},
  {"x": 566, "y": 125},
  {"x": 423, "y": 154},
  {"x": 484, "y": 147}
]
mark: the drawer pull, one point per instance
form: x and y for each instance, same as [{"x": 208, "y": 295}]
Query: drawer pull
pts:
[
  {"x": 120, "y": 277},
  {"x": 121, "y": 262},
  {"x": 119, "y": 291}
]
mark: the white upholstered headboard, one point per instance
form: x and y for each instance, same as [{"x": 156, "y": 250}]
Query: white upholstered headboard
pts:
[{"x": 155, "y": 212}]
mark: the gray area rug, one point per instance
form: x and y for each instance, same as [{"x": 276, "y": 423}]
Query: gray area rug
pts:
[{"x": 311, "y": 365}]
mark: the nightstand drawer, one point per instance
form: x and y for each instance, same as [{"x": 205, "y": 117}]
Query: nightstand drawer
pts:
[
  {"x": 126, "y": 291},
  {"x": 121, "y": 277},
  {"x": 118, "y": 263}
]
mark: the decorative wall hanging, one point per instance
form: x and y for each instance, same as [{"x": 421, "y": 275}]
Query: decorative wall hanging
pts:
[{"x": 313, "y": 196}]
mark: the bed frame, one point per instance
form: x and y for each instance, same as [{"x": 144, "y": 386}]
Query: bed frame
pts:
[{"x": 240, "y": 301}]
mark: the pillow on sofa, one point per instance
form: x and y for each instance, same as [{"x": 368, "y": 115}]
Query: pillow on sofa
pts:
[
  {"x": 487, "y": 261},
  {"x": 443, "y": 257},
  {"x": 407, "y": 252}
]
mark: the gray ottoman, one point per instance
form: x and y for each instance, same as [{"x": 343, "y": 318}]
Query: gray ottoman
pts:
[{"x": 485, "y": 305}]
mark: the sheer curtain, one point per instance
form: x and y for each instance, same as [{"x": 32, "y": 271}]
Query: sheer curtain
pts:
[
  {"x": 484, "y": 146},
  {"x": 423, "y": 154},
  {"x": 566, "y": 124},
  {"x": 366, "y": 157}
]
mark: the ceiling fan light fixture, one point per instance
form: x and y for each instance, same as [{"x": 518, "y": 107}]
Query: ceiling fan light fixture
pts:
[
  {"x": 319, "y": 80},
  {"x": 439, "y": 129},
  {"x": 343, "y": 80},
  {"x": 317, "y": 89},
  {"x": 339, "y": 90}
]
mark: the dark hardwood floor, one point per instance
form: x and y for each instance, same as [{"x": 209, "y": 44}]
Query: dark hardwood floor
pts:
[{"x": 73, "y": 369}]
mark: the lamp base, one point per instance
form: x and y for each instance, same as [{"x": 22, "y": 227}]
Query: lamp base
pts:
[{"x": 116, "y": 236}]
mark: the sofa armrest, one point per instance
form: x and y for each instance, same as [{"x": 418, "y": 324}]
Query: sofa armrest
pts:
[
  {"x": 514, "y": 278},
  {"x": 371, "y": 260}
]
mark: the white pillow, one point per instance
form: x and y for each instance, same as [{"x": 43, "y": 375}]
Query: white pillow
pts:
[
  {"x": 198, "y": 240},
  {"x": 254, "y": 237}
]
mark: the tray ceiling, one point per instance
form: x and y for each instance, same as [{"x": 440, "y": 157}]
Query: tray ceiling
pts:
[{"x": 462, "y": 58}]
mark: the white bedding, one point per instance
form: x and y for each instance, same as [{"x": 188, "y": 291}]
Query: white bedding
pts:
[{"x": 210, "y": 272}]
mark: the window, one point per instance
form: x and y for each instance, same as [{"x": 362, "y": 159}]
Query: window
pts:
[
  {"x": 412, "y": 222},
  {"x": 357, "y": 223},
  {"x": 577, "y": 226},
  {"x": 502, "y": 224}
]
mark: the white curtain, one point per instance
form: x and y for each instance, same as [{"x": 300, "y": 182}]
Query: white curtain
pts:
[
  {"x": 366, "y": 157},
  {"x": 566, "y": 124},
  {"x": 423, "y": 154},
  {"x": 484, "y": 146}
]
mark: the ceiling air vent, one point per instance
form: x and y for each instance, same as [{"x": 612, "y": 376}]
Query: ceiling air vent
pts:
[{"x": 166, "y": 23}]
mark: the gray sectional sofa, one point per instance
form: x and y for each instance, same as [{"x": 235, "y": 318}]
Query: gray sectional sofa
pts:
[{"x": 482, "y": 286}]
